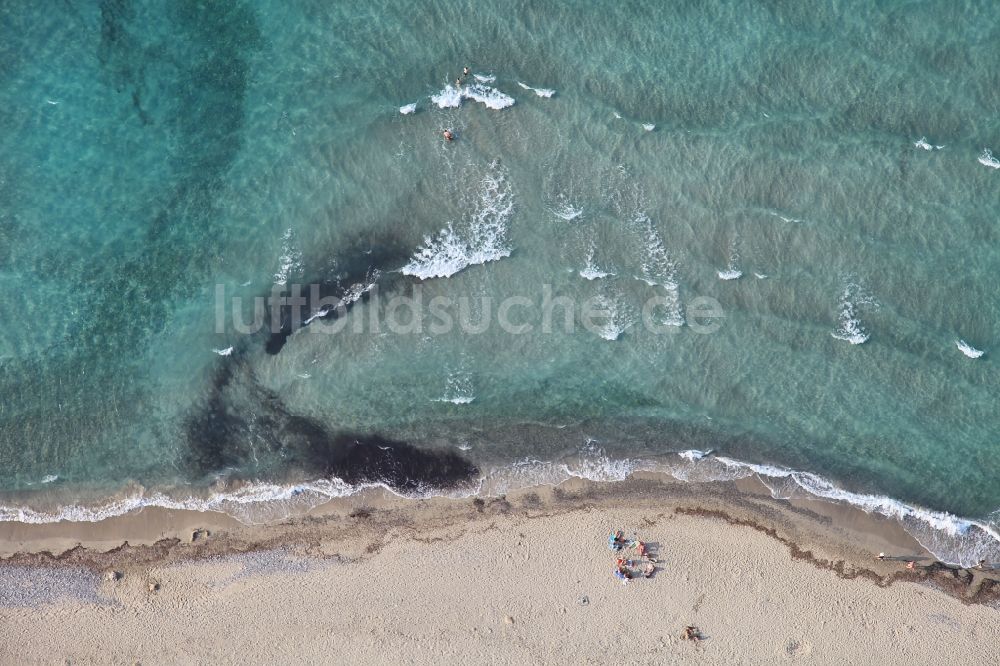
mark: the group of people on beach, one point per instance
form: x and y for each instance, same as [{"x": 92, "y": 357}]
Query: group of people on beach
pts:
[
  {"x": 448, "y": 134},
  {"x": 643, "y": 562},
  {"x": 626, "y": 568}
]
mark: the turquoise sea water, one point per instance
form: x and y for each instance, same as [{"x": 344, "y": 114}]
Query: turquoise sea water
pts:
[{"x": 828, "y": 158}]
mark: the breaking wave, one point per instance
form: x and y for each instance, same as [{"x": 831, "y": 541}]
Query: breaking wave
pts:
[
  {"x": 290, "y": 262},
  {"x": 448, "y": 98},
  {"x": 731, "y": 272},
  {"x": 923, "y": 145},
  {"x": 615, "y": 321},
  {"x": 478, "y": 239},
  {"x": 458, "y": 389},
  {"x": 952, "y": 539},
  {"x": 987, "y": 159},
  {"x": 541, "y": 92},
  {"x": 657, "y": 267},
  {"x": 849, "y": 325},
  {"x": 968, "y": 349},
  {"x": 591, "y": 271},
  {"x": 451, "y": 97}
]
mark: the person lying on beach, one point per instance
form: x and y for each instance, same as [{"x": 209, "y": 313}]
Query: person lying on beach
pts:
[
  {"x": 649, "y": 569},
  {"x": 643, "y": 551},
  {"x": 616, "y": 540},
  {"x": 622, "y": 574}
]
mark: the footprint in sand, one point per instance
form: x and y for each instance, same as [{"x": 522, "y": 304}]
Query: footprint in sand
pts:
[{"x": 797, "y": 648}]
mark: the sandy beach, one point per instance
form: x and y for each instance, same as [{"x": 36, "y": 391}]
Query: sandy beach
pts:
[{"x": 522, "y": 579}]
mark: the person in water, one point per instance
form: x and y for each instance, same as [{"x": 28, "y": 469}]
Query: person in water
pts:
[
  {"x": 465, "y": 71},
  {"x": 448, "y": 136}
]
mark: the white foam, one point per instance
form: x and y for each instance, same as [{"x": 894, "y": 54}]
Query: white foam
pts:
[
  {"x": 949, "y": 538},
  {"x": 923, "y": 145},
  {"x": 491, "y": 98},
  {"x": 649, "y": 127},
  {"x": 567, "y": 211},
  {"x": 617, "y": 115},
  {"x": 851, "y": 332},
  {"x": 479, "y": 239},
  {"x": 694, "y": 454},
  {"x": 987, "y": 159},
  {"x": 946, "y": 535},
  {"x": 849, "y": 326},
  {"x": 485, "y": 78},
  {"x": 253, "y": 502},
  {"x": 732, "y": 272},
  {"x": 785, "y": 219},
  {"x": 968, "y": 349},
  {"x": 591, "y": 271},
  {"x": 303, "y": 375},
  {"x": 760, "y": 276},
  {"x": 657, "y": 267},
  {"x": 49, "y": 478},
  {"x": 449, "y": 98},
  {"x": 351, "y": 295},
  {"x": 408, "y": 109},
  {"x": 541, "y": 92},
  {"x": 290, "y": 261},
  {"x": 616, "y": 321},
  {"x": 224, "y": 352},
  {"x": 458, "y": 389}
]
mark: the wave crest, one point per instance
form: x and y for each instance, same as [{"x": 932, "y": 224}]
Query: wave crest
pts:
[{"x": 479, "y": 239}]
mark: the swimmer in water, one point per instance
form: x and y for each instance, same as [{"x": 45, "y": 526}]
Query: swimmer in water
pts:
[
  {"x": 465, "y": 71},
  {"x": 448, "y": 136}
]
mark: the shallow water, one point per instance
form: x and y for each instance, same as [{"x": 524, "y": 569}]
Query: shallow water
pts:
[{"x": 814, "y": 171}]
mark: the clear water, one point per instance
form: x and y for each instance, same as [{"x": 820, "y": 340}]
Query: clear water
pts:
[{"x": 154, "y": 150}]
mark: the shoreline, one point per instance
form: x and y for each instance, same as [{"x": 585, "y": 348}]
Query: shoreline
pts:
[
  {"x": 839, "y": 537},
  {"x": 952, "y": 539},
  {"x": 519, "y": 579}
]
